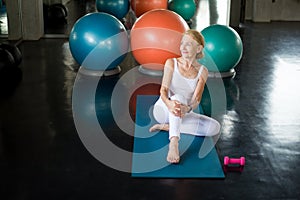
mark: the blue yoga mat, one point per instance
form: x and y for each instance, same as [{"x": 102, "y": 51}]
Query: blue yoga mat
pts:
[{"x": 150, "y": 150}]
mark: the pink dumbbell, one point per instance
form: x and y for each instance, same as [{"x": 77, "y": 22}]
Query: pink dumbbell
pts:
[{"x": 234, "y": 163}]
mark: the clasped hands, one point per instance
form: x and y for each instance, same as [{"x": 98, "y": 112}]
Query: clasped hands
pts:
[{"x": 178, "y": 109}]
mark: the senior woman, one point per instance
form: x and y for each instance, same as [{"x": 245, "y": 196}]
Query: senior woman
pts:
[{"x": 180, "y": 93}]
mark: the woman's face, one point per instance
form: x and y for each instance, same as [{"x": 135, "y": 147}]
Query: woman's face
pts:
[{"x": 189, "y": 48}]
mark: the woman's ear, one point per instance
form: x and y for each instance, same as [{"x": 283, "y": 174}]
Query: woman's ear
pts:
[{"x": 199, "y": 48}]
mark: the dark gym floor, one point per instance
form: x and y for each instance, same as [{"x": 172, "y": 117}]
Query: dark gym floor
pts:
[{"x": 42, "y": 157}]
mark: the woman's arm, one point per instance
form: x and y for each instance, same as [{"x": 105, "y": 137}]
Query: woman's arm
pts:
[
  {"x": 173, "y": 106},
  {"x": 166, "y": 81},
  {"x": 199, "y": 89}
]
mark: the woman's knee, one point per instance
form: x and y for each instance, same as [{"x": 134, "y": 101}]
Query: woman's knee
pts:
[
  {"x": 214, "y": 128},
  {"x": 160, "y": 114}
]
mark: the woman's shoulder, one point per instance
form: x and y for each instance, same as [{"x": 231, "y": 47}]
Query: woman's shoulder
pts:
[
  {"x": 204, "y": 71},
  {"x": 170, "y": 62},
  {"x": 204, "y": 68}
]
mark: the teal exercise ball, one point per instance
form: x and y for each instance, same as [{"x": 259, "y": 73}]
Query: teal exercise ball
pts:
[
  {"x": 185, "y": 8},
  {"x": 99, "y": 41},
  {"x": 223, "y": 48},
  {"x": 119, "y": 8}
]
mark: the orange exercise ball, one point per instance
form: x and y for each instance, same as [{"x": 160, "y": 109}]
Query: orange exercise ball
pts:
[
  {"x": 156, "y": 36},
  {"x": 142, "y": 6}
]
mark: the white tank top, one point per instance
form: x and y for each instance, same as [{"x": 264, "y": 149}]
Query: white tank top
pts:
[{"x": 182, "y": 85}]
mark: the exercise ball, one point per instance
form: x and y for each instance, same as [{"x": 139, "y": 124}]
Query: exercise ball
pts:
[
  {"x": 10, "y": 74},
  {"x": 119, "y": 8},
  {"x": 14, "y": 51},
  {"x": 156, "y": 36},
  {"x": 185, "y": 8},
  {"x": 57, "y": 12},
  {"x": 142, "y": 6},
  {"x": 6, "y": 59},
  {"x": 98, "y": 41},
  {"x": 223, "y": 48}
]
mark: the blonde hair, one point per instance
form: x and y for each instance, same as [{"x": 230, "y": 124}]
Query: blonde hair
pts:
[{"x": 198, "y": 37}]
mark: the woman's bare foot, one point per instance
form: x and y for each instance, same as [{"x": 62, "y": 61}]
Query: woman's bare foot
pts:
[
  {"x": 159, "y": 127},
  {"x": 173, "y": 154}
]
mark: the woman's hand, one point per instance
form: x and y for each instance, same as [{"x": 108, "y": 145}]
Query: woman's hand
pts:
[
  {"x": 174, "y": 107},
  {"x": 184, "y": 109},
  {"x": 178, "y": 109}
]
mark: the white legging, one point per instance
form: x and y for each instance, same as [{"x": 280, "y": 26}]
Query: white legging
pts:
[{"x": 192, "y": 123}]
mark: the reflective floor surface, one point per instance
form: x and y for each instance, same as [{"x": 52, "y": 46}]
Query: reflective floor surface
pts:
[{"x": 43, "y": 157}]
